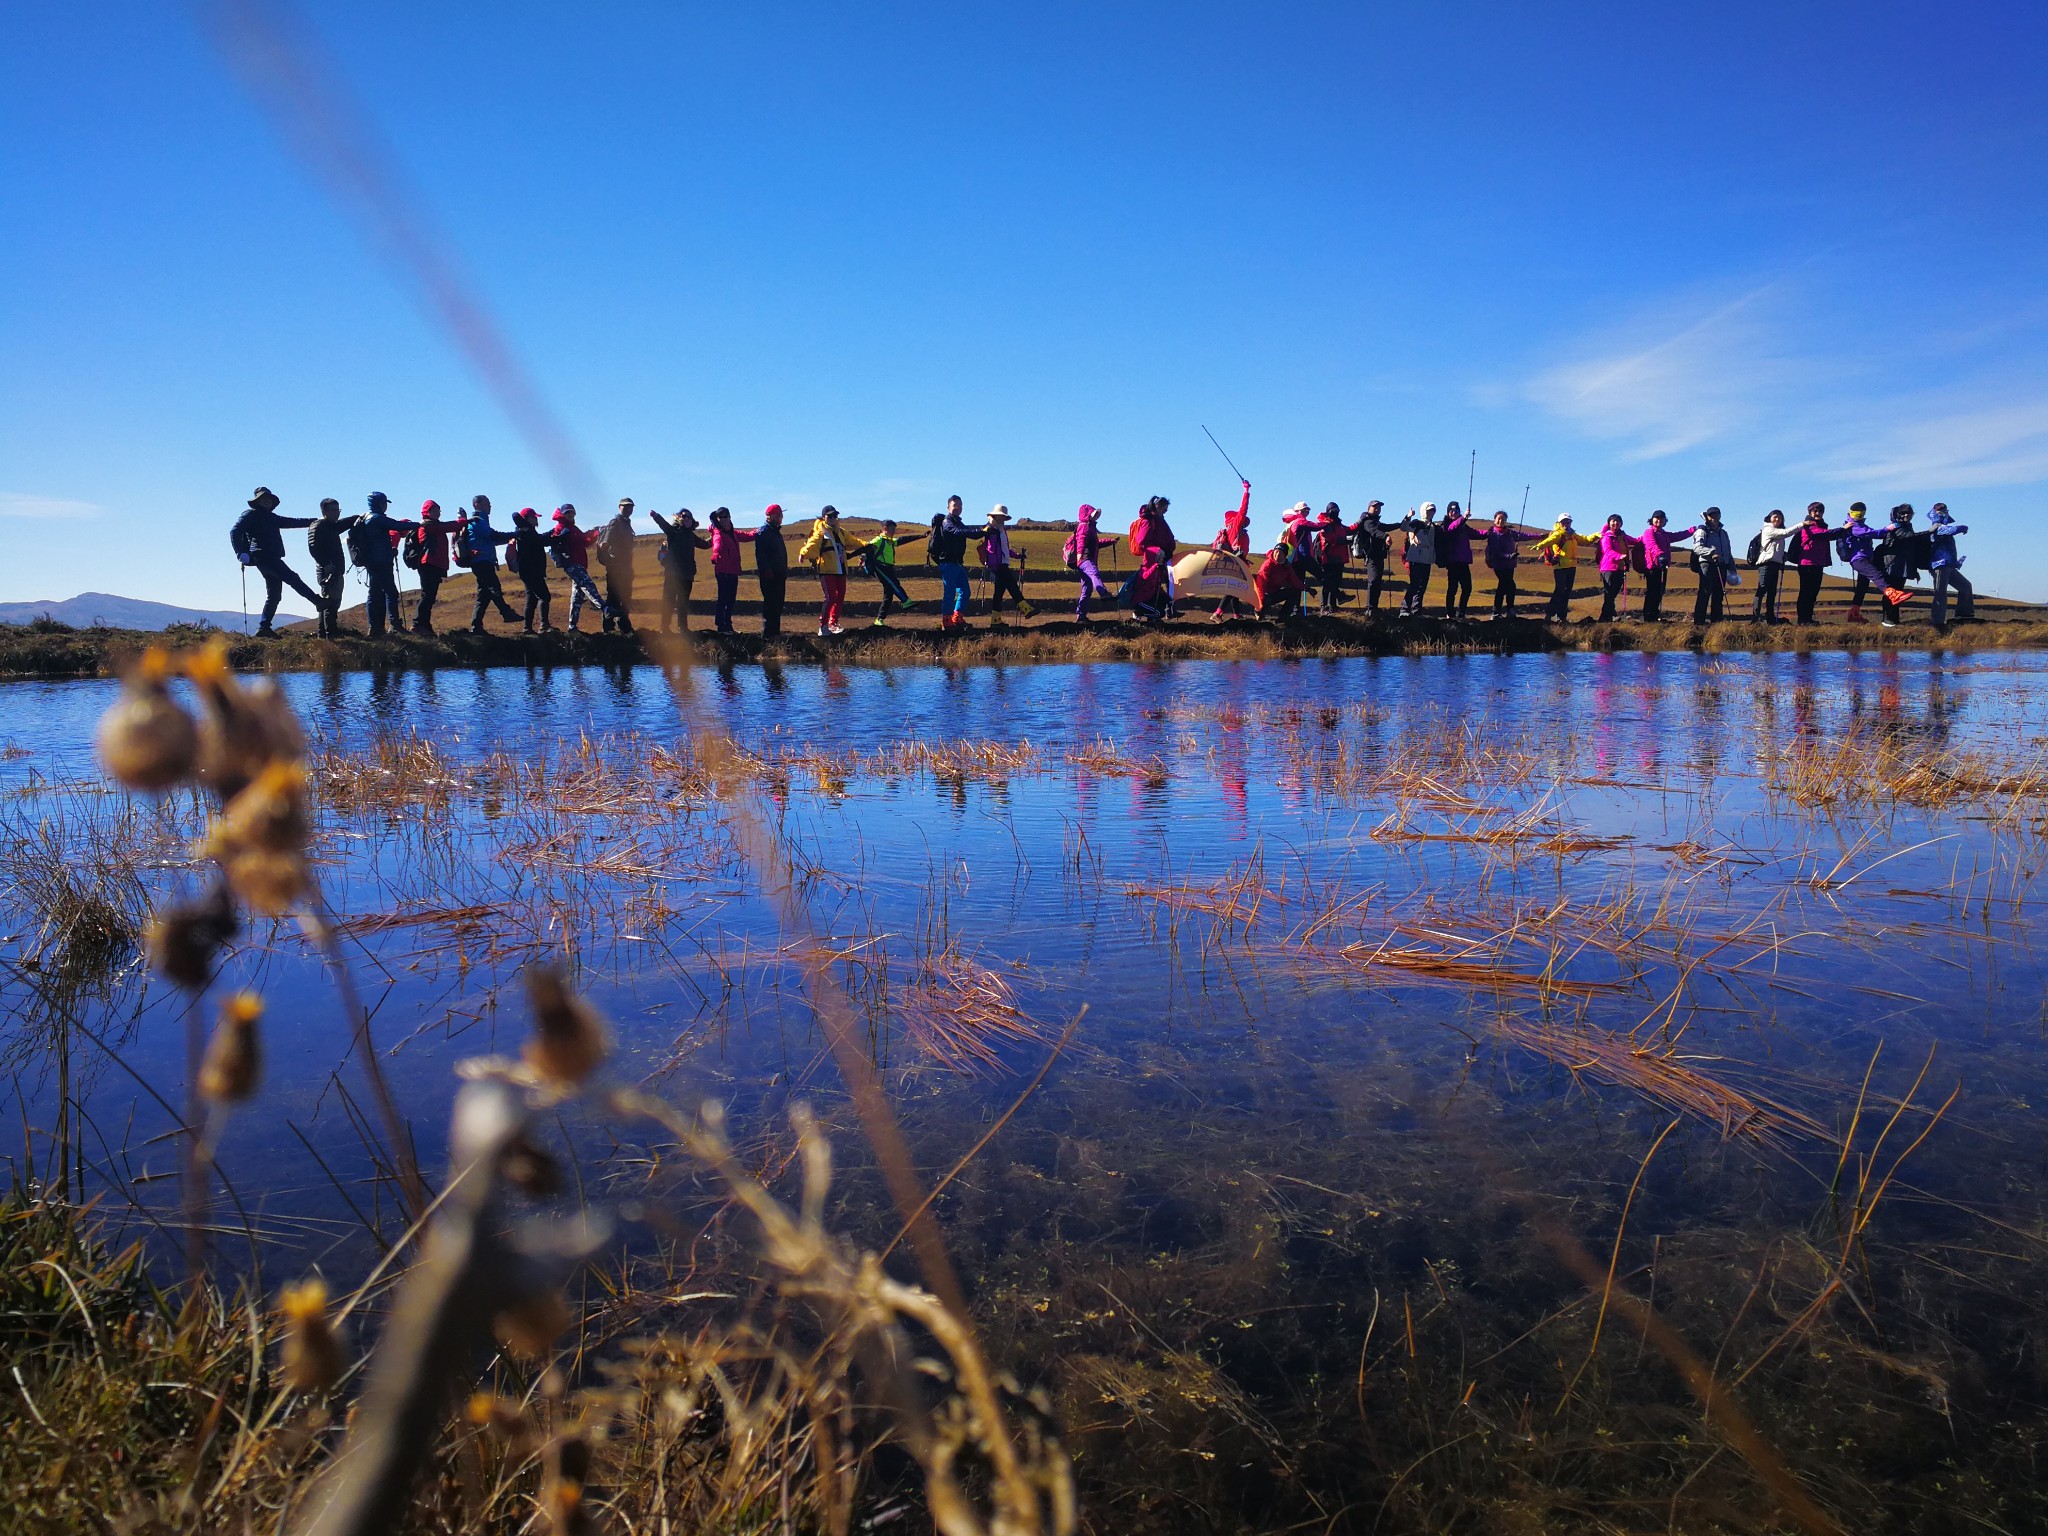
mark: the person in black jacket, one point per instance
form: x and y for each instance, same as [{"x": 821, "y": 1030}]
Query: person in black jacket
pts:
[
  {"x": 771, "y": 568},
  {"x": 376, "y": 550},
  {"x": 330, "y": 563},
  {"x": 680, "y": 543},
  {"x": 258, "y": 541},
  {"x": 530, "y": 559}
]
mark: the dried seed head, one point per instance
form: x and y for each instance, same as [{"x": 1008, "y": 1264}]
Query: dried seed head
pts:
[
  {"x": 147, "y": 741},
  {"x": 568, "y": 1040},
  {"x": 234, "y": 1056},
  {"x": 260, "y": 839},
  {"x": 530, "y": 1326},
  {"x": 184, "y": 940},
  {"x": 312, "y": 1355},
  {"x": 243, "y": 729}
]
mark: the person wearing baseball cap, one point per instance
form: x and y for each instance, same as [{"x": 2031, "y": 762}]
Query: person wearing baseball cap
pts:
[{"x": 381, "y": 534}]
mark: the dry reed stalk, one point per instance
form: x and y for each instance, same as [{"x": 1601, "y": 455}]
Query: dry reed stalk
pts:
[
  {"x": 1661, "y": 1073},
  {"x": 959, "y": 1012}
]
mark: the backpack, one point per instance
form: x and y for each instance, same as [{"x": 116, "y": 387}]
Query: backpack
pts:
[
  {"x": 413, "y": 550},
  {"x": 362, "y": 544},
  {"x": 1754, "y": 555},
  {"x": 1070, "y": 552},
  {"x": 461, "y": 548},
  {"x": 242, "y": 539}
]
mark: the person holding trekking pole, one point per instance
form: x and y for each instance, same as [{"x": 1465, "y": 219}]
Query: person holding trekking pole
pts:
[
  {"x": 373, "y": 545},
  {"x": 1712, "y": 558},
  {"x": 1560, "y": 548},
  {"x": 1770, "y": 547},
  {"x": 1002, "y": 563},
  {"x": 257, "y": 540}
]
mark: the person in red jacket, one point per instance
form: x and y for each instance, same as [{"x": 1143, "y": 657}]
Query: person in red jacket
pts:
[
  {"x": 432, "y": 539},
  {"x": 1333, "y": 553},
  {"x": 1235, "y": 539},
  {"x": 571, "y": 550},
  {"x": 1278, "y": 584}
]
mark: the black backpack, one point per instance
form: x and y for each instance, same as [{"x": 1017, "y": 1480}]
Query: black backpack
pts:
[
  {"x": 413, "y": 550},
  {"x": 242, "y": 538},
  {"x": 362, "y": 543},
  {"x": 1754, "y": 555}
]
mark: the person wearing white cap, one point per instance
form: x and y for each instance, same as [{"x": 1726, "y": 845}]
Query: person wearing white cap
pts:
[
  {"x": 1420, "y": 553},
  {"x": 997, "y": 557}
]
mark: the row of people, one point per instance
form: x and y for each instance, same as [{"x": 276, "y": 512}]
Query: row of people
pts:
[{"x": 1312, "y": 556}]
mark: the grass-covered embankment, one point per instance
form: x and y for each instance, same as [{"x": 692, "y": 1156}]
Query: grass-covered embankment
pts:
[{"x": 53, "y": 651}]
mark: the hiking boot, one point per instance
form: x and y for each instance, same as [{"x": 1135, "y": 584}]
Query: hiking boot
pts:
[
  {"x": 1027, "y": 610},
  {"x": 837, "y": 629},
  {"x": 1898, "y": 597},
  {"x": 1888, "y": 623},
  {"x": 879, "y": 623},
  {"x": 265, "y": 632},
  {"x": 1855, "y": 614}
]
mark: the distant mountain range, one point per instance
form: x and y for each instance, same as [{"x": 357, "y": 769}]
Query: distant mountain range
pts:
[{"x": 91, "y": 609}]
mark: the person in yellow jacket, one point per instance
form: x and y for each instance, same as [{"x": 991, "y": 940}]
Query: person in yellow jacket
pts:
[
  {"x": 826, "y": 549},
  {"x": 1560, "y": 548}
]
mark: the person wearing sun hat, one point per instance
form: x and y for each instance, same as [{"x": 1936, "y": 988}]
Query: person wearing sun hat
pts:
[
  {"x": 258, "y": 542},
  {"x": 1001, "y": 562}
]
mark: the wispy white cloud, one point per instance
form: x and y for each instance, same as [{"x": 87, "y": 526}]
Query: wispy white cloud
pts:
[
  {"x": 52, "y": 508},
  {"x": 2003, "y": 443},
  {"x": 1673, "y": 380},
  {"x": 1757, "y": 377}
]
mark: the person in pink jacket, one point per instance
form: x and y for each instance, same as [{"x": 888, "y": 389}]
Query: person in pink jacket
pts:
[
  {"x": 1657, "y": 543},
  {"x": 725, "y": 565},
  {"x": 1617, "y": 550}
]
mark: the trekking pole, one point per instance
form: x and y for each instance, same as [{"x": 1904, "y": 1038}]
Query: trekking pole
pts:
[
  {"x": 245, "y": 599},
  {"x": 1226, "y": 457},
  {"x": 1525, "y": 506},
  {"x": 1471, "y": 474}
]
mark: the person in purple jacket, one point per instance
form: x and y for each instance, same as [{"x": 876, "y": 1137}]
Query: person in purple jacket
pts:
[
  {"x": 1617, "y": 549},
  {"x": 1454, "y": 553},
  {"x": 1657, "y": 542},
  {"x": 1503, "y": 541},
  {"x": 1084, "y": 549}
]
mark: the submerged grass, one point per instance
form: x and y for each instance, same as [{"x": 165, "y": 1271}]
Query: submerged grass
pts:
[{"x": 1248, "y": 1280}]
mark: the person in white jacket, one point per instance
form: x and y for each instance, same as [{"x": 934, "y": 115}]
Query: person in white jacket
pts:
[{"x": 1773, "y": 546}]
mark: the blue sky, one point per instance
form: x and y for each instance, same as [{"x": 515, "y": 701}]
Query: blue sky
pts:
[{"x": 1636, "y": 256}]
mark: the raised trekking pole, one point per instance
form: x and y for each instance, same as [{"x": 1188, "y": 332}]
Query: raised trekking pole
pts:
[
  {"x": 1226, "y": 457},
  {"x": 1525, "y": 506},
  {"x": 1471, "y": 474}
]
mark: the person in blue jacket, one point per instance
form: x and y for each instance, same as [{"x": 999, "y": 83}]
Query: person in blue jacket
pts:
[
  {"x": 1947, "y": 568},
  {"x": 377, "y": 554}
]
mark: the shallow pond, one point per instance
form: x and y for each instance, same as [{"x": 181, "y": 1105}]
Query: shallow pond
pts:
[{"x": 1398, "y": 982}]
